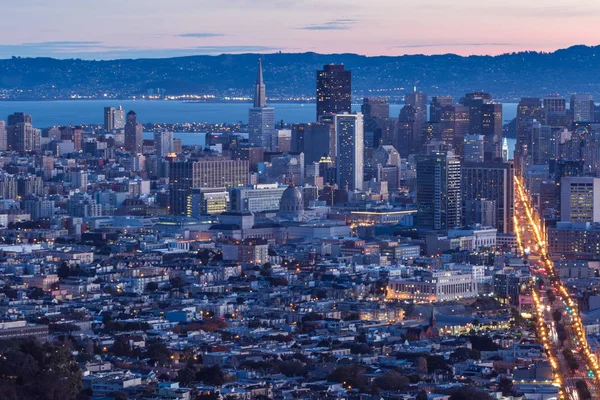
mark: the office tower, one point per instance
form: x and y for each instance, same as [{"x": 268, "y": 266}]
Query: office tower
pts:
[
  {"x": 114, "y": 118},
  {"x": 261, "y": 119},
  {"x": 492, "y": 181},
  {"x": 38, "y": 207},
  {"x": 438, "y": 103},
  {"x": 349, "y": 132},
  {"x": 555, "y": 112},
  {"x": 582, "y": 107},
  {"x": 177, "y": 146},
  {"x": 207, "y": 173},
  {"x": 334, "y": 90},
  {"x": 473, "y": 148},
  {"x": 3, "y": 136},
  {"x": 454, "y": 125},
  {"x": 79, "y": 180},
  {"x": 375, "y": 108},
  {"x": 20, "y": 134},
  {"x": 529, "y": 109},
  {"x": 207, "y": 201},
  {"x": 409, "y": 133},
  {"x": 133, "y": 134},
  {"x": 485, "y": 118},
  {"x": 577, "y": 195},
  {"x": 313, "y": 139},
  {"x": 543, "y": 144},
  {"x": 163, "y": 143},
  {"x": 418, "y": 101},
  {"x": 439, "y": 191}
]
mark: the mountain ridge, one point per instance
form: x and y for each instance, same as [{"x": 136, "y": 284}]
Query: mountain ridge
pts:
[{"x": 292, "y": 75}]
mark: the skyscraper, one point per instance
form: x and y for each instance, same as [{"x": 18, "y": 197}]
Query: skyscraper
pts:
[
  {"x": 555, "y": 112},
  {"x": 313, "y": 140},
  {"x": 439, "y": 191},
  {"x": 491, "y": 181},
  {"x": 577, "y": 195},
  {"x": 409, "y": 137},
  {"x": 114, "y": 118},
  {"x": 261, "y": 119},
  {"x": 485, "y": 118},
  {"x": 582, "y": 107},
  {"x": 163, "y": 143},
  {"x": 473, "y": 148},
  {"x": 529, "y": 110},
  {"x": 133, "y": 134},
  {"x": 437, "y": 104},
  {"x": 184, "y": 176},
  {"x": 349, "y": 132},
  {"x": 3, "y": 138},
  {"x": 21, "y": 136},
  {"x": 334, "y": 90},
  {"x": 375, "y": 108}
]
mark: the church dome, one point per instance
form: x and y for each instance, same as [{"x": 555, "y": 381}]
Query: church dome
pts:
[{"x": 292, "y": 204}]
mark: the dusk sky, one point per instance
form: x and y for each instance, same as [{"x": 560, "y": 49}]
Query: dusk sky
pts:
[{"x": 107, "y": 29}]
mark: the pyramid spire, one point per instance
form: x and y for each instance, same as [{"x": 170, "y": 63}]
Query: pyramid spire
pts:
[{"x": 260, "y": 97}]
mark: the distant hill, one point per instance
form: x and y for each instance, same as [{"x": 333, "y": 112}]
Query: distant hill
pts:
[{"x": 507, "y": 77}]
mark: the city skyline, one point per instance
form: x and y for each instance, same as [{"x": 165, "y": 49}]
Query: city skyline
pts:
[{"x": 152, "y": 29}]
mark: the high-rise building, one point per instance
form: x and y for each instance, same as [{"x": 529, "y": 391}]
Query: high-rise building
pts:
[
  {"x": 491, "y": 181},
  {"x": 555, "y": 112},
  {"x": 313, "y": 139},
  {"x": 529, "y": 109},
  {"x": 3, "y": 136},
  {"x": 409, "y": 133},
  {"x": 349, "y": 131},
  {"x": 454, "y": 125},
  {"x": 261, "y": 119},
  {"x": 79, "y": 180},
  {"x": 21, "y": 136},
  {"x": 582, "y": 107},
  {"x": 439, "y": 191},
  {"x": 418, "y": 101},
  {"x": 473, "y": 149},
  {"x": 163, "y": 143},
  {"x": 438, "y": 103},
  {"x": 184, "y": 176},
  {"x": 114, "y": 118},
  {"x": 334, "y": 90},
  {"x": 485, "y": 118},
  {"x": 375, "y": 108},
  {"x": 133, "y": 134},
  {"x": 577, "y": 195}
]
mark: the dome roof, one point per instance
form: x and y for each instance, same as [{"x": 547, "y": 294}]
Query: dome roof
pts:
[{"x": 292, "y": 203}]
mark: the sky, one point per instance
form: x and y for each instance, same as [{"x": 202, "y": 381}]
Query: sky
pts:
[{"x": 109, "y": 29}]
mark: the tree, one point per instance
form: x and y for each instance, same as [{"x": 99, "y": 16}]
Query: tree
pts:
[
  {"x": 556, "y": 316},
  {"x": 211, "y": 376},
  {"x": 582, "y": 390},
  {"x": 468, "y": 393},
  {"x": 422, "y": 395},
  {"x": 29, "y": 370},
  {"x": 551, "y": 296},
  {"x": 505, "y": 386},
  {"x": 437, "y": 363},
  {"x": 462, "y": 354},
  {"x": 37, "y": 293},
  {"x": 177, "y": 283},
  {"x": 187, "y": 375},
  {"x": 421, "y": 366},
  {"x": 291, "y": 368},
  {"x": 279, "y": 281},
  {"x": 351, "y": 376},
  {"x": 152, "y": 287},
  {"x": 157, "y": 352},
  {"x": 64, "y": 271},
  {"x": 392, "y": 380}
]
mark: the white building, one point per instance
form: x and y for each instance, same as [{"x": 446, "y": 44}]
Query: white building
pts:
[
  {"x": 433, "y": 286},
  {"x": 163, "y": 143},
  {"x": 257, "y": 198}
]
